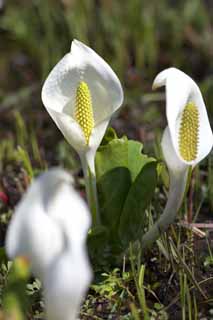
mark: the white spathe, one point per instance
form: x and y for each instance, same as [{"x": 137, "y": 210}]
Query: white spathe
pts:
[
  {"x": 180, "y": 90},
  {"x": 59, "y": 96},
  {"x": 65, "y": 285},
  {"x": 173, "y": 162},
  {"x": 50, "y": 227}
]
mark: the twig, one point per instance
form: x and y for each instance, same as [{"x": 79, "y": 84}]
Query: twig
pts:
[{"x": 194, "y": 229}]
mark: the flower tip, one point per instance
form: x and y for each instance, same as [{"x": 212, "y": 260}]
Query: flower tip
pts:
[
  {"x": 76, "y": 44},
  {"x": 161, "y": 78},
  {"x": 159, "y": 81},
  {"x": 56, "y": 175},
  {"x": 154, "y": 86}
]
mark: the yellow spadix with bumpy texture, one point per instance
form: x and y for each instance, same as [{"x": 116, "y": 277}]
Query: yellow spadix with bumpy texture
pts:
[
  {"x": 83, "y": 109},
  {"x": 188, "y": 133}
]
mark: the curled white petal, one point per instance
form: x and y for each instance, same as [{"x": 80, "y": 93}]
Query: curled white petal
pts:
[
  {"x": 95, "y": 140},
  {"x": 71, "y": 130},
  {"x": 174, "y": 164},
  {"x": 72, "y": 216},
  {"x": 65, "y": 285},
  {"x": 49, "y": 210},
  {"x": 180, "y": 90},
  {"x": 50, "y": 227}
]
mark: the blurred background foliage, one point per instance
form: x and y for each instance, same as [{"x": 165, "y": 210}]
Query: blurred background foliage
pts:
[{"x": 138, "y": 38}]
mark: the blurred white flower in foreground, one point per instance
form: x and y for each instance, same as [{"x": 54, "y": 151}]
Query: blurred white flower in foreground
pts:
[
  {"x": 49, "y": 228},
  {"x": 186, "y": 140},
  {"x": 81, "y": 93}
]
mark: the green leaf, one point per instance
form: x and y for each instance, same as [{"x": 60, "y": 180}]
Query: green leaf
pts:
[
  {"x": 118, "y": 163},
  {"x": 113, "y": 188},
  {"x": 97, "y": 243},
  {"x": 132, "y": 218},
  {"x": 109, "y": 135},
  {"x": 121, "y": 153}
]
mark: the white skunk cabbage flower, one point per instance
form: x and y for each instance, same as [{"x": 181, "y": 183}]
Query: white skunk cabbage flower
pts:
[
  {"x": 81, "y": 93},
  {"x": 49, "y": 228},
  {"x": 188, "y": 122},
  {"x": 186, "y": 140}
]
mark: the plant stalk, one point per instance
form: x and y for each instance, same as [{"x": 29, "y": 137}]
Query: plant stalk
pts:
[
  {"x": 91, "y": 191},
  {"x": 175, "y": 197}
]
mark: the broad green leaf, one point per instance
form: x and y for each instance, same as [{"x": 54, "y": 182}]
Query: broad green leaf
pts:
[
  {"x": 132, "y": 218},
  {"x": 121, "y": 153},
  {"x": 113, "y": 188}
]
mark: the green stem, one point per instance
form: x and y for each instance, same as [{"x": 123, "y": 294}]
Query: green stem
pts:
[
  {"x": 91, "y": 191},
  {"x": 175, "y": 198}
]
